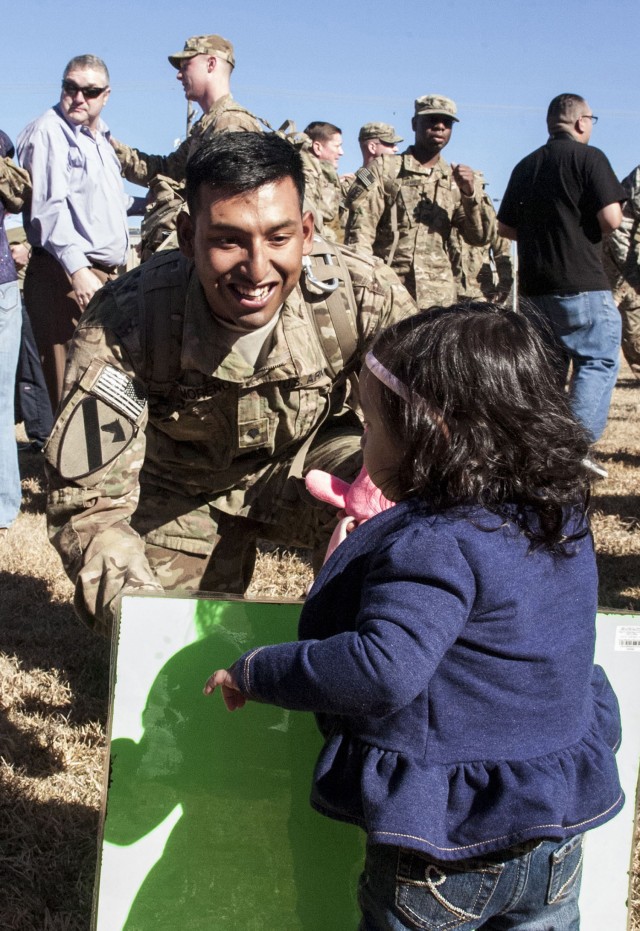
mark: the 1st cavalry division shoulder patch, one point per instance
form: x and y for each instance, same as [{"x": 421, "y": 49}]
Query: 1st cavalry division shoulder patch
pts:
[{"x": 101, "y": 423}]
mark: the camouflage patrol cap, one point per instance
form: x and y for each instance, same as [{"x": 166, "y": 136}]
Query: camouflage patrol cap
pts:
[
  {"x": 204, "y": 45},
  {"x": 436, "y": 105},
  {"x": 382, "y": 131}
]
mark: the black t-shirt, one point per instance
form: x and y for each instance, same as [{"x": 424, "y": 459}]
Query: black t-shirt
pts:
[{"x": 552, "y": 199}]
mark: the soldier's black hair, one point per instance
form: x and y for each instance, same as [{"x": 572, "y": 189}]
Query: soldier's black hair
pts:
[
  {"x": 238, "y": 162},
  {"x": 86, "y": 61},
  {"x": 318, "y": 131},
  {"x": 488, "y": 422},
  {"x": 563, "y": 111}
]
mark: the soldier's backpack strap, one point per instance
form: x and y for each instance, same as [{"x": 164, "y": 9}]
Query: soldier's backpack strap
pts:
[
  {"x": 328, "y": 292},
  {"x": 327, "y": 288},
  {"x": 161, "y": 307}
]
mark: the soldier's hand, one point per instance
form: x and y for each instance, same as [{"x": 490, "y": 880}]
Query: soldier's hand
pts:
[
  {"x": 84, "y": 284},
  {"x": 463, "y": 176}
]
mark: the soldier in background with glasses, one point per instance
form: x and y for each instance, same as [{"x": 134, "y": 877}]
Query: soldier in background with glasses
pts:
[{"x": 76, "y": 223}]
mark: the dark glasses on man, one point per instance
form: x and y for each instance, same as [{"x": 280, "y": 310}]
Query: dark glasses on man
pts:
[{"x": 89, "y": 93}]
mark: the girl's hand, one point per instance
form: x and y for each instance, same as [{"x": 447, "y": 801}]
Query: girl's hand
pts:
[{"x": 233, "y": 697}]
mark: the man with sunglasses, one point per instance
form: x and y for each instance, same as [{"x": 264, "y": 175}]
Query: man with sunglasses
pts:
[
  {"x": 559, "y": 202},
  {"x": 402, "y": 208},
  {"x": 76, "y": 222}
]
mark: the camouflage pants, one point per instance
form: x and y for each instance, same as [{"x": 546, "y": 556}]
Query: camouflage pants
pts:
[
  {"x": 628, "y": 301},
  {"x": 285, "y": 513}
]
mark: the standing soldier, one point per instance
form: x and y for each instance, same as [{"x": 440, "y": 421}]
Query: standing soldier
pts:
[
  {"x": 204, "y": 69},
  {"x": 403, "y": 207},
  {"x": 321, "y": 152},
  {"x": 622, "y": 264}
]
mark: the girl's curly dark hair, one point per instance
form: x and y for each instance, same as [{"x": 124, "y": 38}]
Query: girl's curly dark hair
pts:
[{"x": 489, "y": 423}]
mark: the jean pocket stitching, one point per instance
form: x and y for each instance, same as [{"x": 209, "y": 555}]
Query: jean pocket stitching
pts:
[
  {"x": 458, "y": 915},
  {"x": 560, "y": 860}
]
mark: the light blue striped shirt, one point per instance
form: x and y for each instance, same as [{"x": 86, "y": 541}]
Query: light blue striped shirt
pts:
[{"x": 78, "y": 207}]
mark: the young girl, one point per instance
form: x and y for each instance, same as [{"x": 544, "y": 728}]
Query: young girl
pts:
[{"x": 447, "y": 645}]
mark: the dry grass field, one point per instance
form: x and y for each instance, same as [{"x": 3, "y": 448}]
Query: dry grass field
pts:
[{"x": 54, "y": 681}]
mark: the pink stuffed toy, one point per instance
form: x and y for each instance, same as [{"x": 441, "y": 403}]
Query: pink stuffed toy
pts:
[{"x": 359, "y": 501}]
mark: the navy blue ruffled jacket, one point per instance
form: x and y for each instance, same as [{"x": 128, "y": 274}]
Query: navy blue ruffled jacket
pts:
[{"x": 451, "y": 672}]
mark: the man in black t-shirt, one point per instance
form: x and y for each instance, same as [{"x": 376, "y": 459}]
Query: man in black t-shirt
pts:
[{"x": 559, "y": 201}]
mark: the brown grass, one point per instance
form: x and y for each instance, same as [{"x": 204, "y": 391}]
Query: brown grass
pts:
[{"x": 54, "y": 676}]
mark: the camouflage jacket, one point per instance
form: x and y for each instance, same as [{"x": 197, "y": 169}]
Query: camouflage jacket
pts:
[
  {"x": 323, "y": 195},
  {"x": 225, "y": 116},
  {"x": 622, "y": 247},
  {"x": 180, "y": 423},
  {"x": 484, "y": 272},
  {"x": 15, "y": 186},
  {"x": 404, "y": 213}
]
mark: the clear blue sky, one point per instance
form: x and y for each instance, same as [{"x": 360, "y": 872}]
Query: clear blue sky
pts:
[{"x": 349, "y": 63}]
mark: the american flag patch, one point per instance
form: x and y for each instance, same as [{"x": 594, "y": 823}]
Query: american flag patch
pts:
[{"x": 118, "y": 390}]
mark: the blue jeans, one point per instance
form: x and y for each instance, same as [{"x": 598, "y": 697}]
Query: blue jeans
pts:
[
  {"x": 587, "y": 329},
  {"x": 10, "y": 327},
  {"x": 534, "y": 890}
]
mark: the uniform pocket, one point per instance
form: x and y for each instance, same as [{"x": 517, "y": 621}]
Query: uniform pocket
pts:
[
  {"x": 566, "y": 869},
  {"x": 440, "y": 896}
]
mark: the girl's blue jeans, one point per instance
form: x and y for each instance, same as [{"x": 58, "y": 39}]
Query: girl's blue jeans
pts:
[{"x": 533, "y": 887}]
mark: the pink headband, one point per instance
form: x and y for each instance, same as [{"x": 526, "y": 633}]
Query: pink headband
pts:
[
  {"x": 386, "y": 377},
  {"x": 391, "y": 381}
]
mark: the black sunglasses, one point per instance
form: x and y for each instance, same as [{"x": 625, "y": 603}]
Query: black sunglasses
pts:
[{"x": 89, "y": 93}]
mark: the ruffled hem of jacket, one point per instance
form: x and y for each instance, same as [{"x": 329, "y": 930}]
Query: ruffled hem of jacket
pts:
[{"x": 469, "y": 809}]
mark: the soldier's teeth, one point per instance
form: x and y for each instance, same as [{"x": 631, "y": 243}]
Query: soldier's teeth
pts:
[{"x": 255, "y": 293}]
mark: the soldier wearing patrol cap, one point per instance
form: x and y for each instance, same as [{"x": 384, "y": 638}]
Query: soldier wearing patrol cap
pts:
[
  {"x": 202, "y": 385},
  {"x": 377, "y": 139},
  {"x": 204, "y": 69},
  {"x": 403, "y": 207}
]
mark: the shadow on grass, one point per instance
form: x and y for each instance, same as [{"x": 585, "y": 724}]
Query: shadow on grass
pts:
[
  {"x": 46, "y": 635},
  {"x": 627, "y": 507},
  {"x": 618, "y": 574},
  {"x": 48, "y": 863}
]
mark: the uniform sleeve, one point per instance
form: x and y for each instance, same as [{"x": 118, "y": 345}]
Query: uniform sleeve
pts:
[
  {"x": 93, "y": 459},
  {"x": 415, "y": 600},
  {"x": 623, "y": 244},
  {"x": 475, "y": 217},
  {"x": 50, "y": 214},
  {"x": 15, "y": 186},
  {"x": 365, "y": 202},
  {"x": 140, "y": 168}
]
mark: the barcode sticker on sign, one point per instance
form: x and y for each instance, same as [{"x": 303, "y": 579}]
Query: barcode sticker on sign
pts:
[{"x": 628, "y": 637}]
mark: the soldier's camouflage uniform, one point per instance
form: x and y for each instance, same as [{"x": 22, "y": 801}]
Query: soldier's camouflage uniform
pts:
[
  {"x": 225, "y": 116},
  {"x": 15, "y": 185},
  {"x": 164, "y": 174},
  {"x": 482, "y": 272},
  {"x": 621, "y": 254},
  {"x": 199, "y": 463},
  {"x": 324, "y": 195},
  {"x": 423, "y": 204}
]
